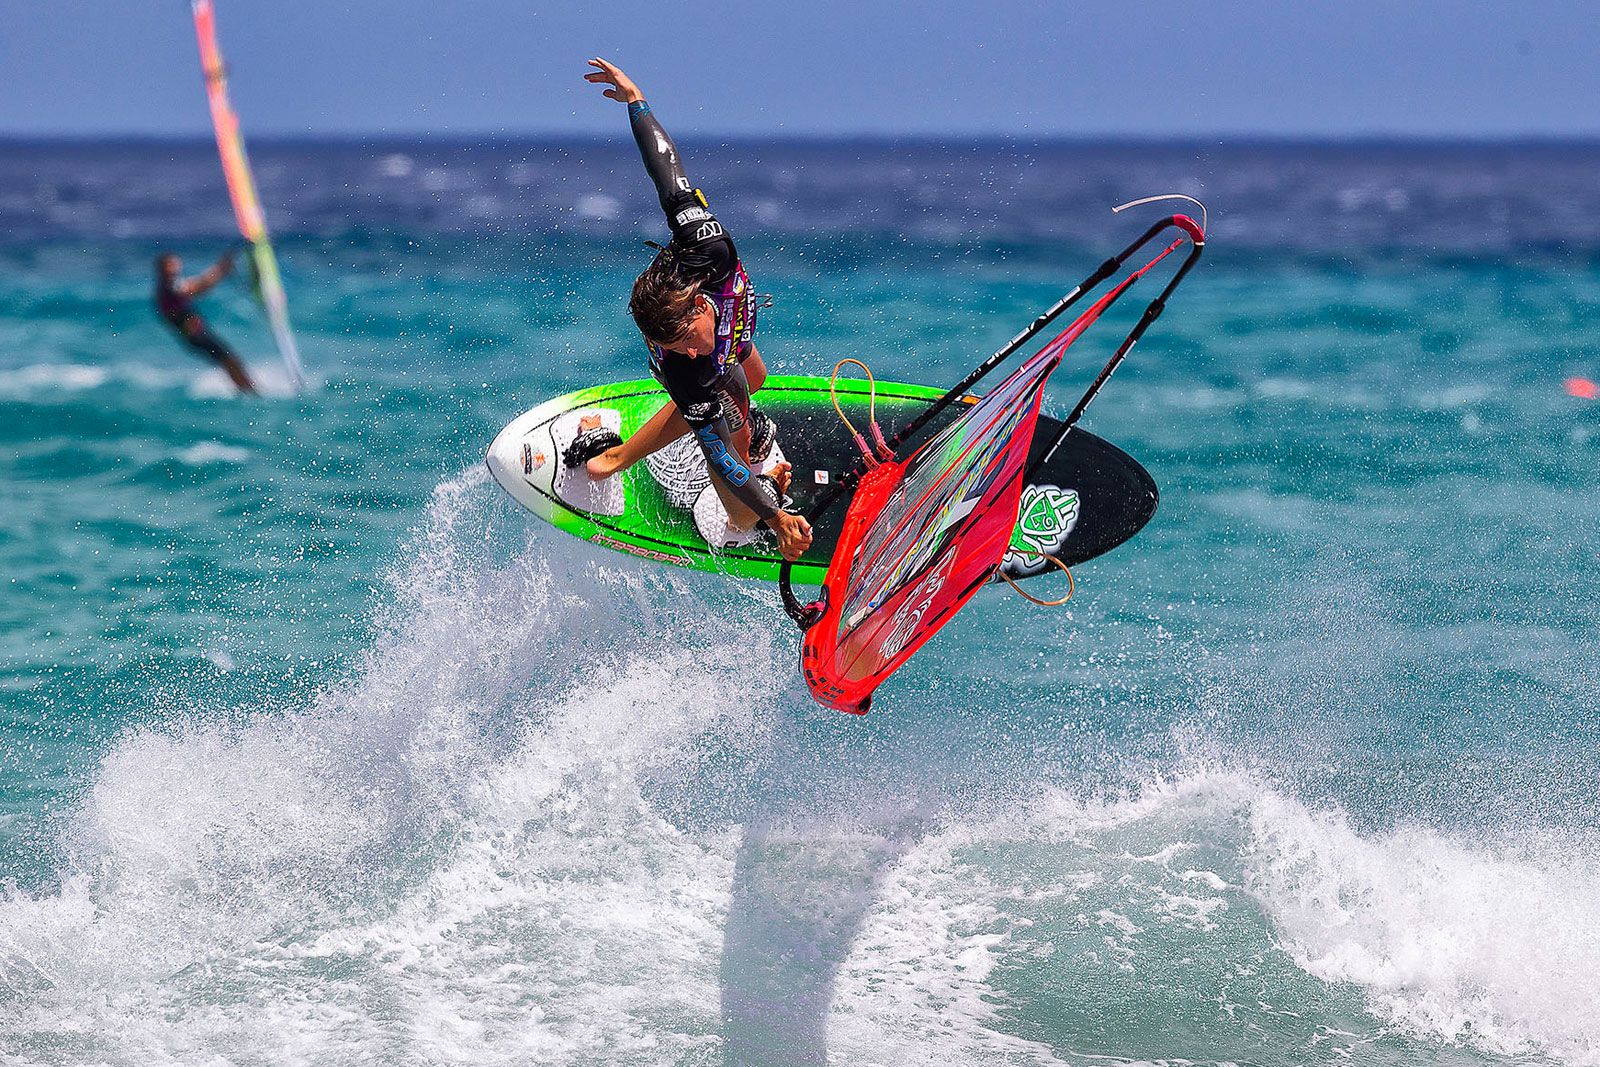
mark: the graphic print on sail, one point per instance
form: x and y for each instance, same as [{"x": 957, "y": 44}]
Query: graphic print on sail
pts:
[
  {"x": 922, "y": 535},
  {"x": 242, "y": 191}
]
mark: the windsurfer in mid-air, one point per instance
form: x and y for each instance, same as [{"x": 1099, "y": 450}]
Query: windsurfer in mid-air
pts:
[
  {"x": 697, "y": 313},
  {"x": 175, "y": 296}
]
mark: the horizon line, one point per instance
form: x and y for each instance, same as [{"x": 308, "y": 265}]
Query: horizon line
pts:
[{"x": 468, "y": 138}]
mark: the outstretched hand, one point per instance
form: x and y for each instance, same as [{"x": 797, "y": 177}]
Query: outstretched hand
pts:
[{"x": 622, "y": 87}]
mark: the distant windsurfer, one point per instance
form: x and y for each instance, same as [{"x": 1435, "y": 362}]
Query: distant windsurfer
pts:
[
  {"x": 696, "y": 310},
  {"x": 175, "y": 296}
]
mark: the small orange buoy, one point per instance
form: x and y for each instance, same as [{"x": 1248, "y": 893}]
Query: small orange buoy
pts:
[{"x": 1582, "y": 388}]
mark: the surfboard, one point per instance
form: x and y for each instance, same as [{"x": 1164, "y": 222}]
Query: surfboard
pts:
[{"x": 1087, "y": 499}]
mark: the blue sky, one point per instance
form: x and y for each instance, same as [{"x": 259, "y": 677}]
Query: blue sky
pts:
[{"x": 831, "y": 67}]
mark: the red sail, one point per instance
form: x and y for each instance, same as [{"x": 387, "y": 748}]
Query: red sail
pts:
[{"x": 921, "y": 537}]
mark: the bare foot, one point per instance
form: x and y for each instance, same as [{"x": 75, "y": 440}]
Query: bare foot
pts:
[
  {"x": 782, "y": 475},
  {"x": 605, "y": 464}
]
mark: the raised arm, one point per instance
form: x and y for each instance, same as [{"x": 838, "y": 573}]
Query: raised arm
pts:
[
  {"x": 697, "y": 237},
  {"x": 204, "y": 283}
]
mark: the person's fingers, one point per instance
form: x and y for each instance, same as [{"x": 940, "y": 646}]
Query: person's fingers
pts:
[{"x": 604, "y": 72}]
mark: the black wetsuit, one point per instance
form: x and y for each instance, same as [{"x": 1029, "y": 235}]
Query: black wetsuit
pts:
[
  {"x": 180, "y": 313},
  {"x": 711, "y": 390}
]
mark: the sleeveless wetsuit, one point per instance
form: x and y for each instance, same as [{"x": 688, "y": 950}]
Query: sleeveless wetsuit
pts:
[
  {"x": 711, "y": 391},
  {"x": 180, "y": 313}
]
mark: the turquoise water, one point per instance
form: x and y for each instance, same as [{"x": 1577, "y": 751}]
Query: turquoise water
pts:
[{"x": 313, "y": 748}]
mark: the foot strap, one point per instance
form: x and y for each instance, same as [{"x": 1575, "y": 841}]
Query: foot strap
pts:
[
  {"x": 763, "y": 432},
  {"x": 589, "y": 444}
]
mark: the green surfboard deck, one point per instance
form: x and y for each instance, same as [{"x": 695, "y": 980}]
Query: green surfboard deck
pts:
[{"x": 1056, "y": 513}]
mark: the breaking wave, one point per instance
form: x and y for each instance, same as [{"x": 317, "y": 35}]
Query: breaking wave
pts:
[{"x": 534, "y": 825}]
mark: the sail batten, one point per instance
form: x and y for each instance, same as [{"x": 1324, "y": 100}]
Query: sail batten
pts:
[{"x": 923, "y": 535}]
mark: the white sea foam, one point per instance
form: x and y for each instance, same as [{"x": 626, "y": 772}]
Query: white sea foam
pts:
[
  {"x": 62, "y": 377},
  {"x": 395, "y": 165},
  {"x": 270, "y": 376},
  {"x": 198, "y": 380},
  {"x": 492, "y": 844},
  {"x": 598, "y": 207},
  {"x": 916, "y": 987},
  {"x": 206, "y": 453},
  {"x": 446, "y": 859},
  {"x": 1493, "y": 945}
]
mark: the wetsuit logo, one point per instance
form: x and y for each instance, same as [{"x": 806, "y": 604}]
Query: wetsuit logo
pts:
[{"x": 726, "y": 462}]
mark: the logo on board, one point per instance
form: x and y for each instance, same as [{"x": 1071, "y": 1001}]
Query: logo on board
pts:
[{"x": 1046, "y": 515}]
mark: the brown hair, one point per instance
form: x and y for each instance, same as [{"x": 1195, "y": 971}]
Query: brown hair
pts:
[{"x": 663, "y": 303}]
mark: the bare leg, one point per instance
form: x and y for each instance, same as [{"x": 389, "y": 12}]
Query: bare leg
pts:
[
  {"x": 236, "y": 371},
  {"x": 663, "y": 428},
  {"x": 205, "y": 341},
  {"x": 783, "y": 475}
]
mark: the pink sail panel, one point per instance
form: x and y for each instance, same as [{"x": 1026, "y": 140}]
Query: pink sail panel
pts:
[{"x": 921, "y": 537}]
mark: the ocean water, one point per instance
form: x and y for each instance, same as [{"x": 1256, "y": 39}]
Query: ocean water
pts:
[{"x": 314, "y": 749}]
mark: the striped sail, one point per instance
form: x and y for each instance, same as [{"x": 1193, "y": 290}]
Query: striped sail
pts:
[{"x": 242, "y": 191}]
